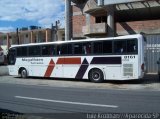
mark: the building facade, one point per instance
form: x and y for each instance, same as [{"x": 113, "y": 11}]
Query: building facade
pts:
[
  {"x": 105, "y": 18},
  {"x": 30, "y": 35},
  {"x": 109, "y": 18}
]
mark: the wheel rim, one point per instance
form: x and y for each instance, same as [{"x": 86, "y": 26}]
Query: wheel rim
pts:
[
  {"x": 23, "y": 73},
  {"x": 96, "y": 76}
]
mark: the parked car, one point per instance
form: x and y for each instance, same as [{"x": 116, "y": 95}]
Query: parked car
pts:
[{"x": 3, "y": 57}]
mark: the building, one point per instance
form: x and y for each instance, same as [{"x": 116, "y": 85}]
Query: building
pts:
[
  {"x": 32, "y": 34},
  {"x": 108, "y": 18}
]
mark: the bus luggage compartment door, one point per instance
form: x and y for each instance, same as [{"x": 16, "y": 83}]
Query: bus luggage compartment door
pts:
[{"x": 113, "y": 72}]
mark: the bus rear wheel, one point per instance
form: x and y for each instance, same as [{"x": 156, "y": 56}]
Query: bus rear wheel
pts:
[
  {"x": 96, "y": 76},
  {"x": 23, "y": 73}
]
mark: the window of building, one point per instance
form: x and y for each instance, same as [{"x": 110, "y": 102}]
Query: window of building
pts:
[
  {"x": 101, "y": 19},
  {"x": 26, "y": 35}
]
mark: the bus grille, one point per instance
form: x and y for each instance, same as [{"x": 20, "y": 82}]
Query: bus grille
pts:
[{"x": 127, "y": 69}]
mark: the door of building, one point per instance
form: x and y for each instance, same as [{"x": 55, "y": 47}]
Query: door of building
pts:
[{"x": 152, "y": 53}]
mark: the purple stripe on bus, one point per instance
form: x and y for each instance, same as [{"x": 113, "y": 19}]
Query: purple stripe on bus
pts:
[
  {"x": 106, "y": 60},
  {"x": 82, "y": 69}
]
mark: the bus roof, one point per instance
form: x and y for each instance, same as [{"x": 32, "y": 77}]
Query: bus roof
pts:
[{"x": 80, "y": 40}]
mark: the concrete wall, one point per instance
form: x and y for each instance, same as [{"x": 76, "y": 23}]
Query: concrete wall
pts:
[
  {"x": 78, "y": 22},
  {"x": 131, "y": 18},
  {"x": 110, "y": 2},
  {"x": 61, "y": 35},
  {"x": 147, "y": 26}
]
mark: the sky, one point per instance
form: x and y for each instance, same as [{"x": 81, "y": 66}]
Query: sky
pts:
[{"x": 24, "y": 13}]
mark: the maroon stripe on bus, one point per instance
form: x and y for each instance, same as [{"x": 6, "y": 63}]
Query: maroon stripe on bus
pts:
[
  {"x": 69, "y": 61},
  {"x": 49, "y": 69},
  {"x": 106, "y": 60},
  {"x": 82, "y": 70}
]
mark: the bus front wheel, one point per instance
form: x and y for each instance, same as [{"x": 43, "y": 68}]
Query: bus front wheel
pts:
[
  {"x": 24, "y": 73},
  {"x": 96, "y": 75}
]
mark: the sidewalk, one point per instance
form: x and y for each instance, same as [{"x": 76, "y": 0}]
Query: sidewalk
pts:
[
  {"x": 3, "y": 70},
  {"x": 146, "y": 84}
]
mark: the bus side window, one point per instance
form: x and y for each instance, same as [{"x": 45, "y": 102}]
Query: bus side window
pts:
[
  {"x": 70, "y": 49},
  {"x": 12, "y": 56},
  {"x": 120, "y": 46},
  {"x": 34, "y": 51},
  {"x": 107, "y": 46},
  {"x": 48, "y": 50},
  {"x": 52, "y": 50},
  {"x": 132, "y": 46},
  {"x": 98, "y": 47},
  {"x": 22, "y": 51},
  {"x": 44, "y": 50},
  {"x": 86, "y": 48},
  {"x": 64, "y": 49},
  {"x": 78, "y": 49},
  {"x": 58, "y": 50}
]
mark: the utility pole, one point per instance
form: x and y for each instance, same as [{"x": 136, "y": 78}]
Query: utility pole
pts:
[
  {"x": 68, "y": 20},
  {"x": 17, "y": 34},
  {"x": 54, "y": 30},
  {"x": 52, "y": 38}
]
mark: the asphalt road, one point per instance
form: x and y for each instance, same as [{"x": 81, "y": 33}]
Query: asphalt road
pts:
[{"x": 53, "y": 100}]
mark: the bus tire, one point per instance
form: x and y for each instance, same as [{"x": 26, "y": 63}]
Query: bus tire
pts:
[
  {"x": 23, "y": 73},
  {"x": 96, "y": 75}
]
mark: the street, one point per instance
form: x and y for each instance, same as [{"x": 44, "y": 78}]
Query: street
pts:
[
  {"x": 58, "y": 99},
  {"x": 69, "y": 98}
]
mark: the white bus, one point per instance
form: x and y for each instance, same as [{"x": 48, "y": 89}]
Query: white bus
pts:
[{"x": 116, "y": 58}]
